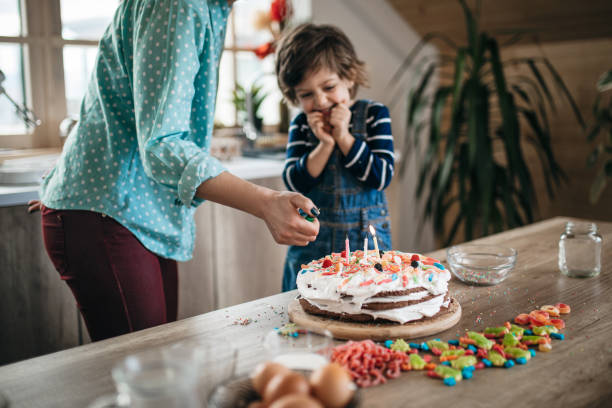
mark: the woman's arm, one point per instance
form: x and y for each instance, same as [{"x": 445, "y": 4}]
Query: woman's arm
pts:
[{"x": 279, "y": 210}]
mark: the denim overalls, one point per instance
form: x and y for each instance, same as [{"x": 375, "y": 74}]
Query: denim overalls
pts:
[{"x": 347, "y": 207}]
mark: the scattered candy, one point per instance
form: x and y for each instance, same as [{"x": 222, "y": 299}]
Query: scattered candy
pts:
[
  {"x": 515, "y": 352},
  {"x": 416, "y": 362},
  {"x": 448, "y": 372},
  {"x": 476, "y": 339},
  {"x": 563, "y": 308},
  {"x": 496, "y": 359},
  {"x": 499, "y": 346},
  {"x": 522, "y": 319},
  {"x": 510, "y": 340},
  {"x": 495, "y": 332},
  {"x": 398, "y": 345},
  {"x": 545, "y": 347},
  {"x": 558, "y": 323},
  {"x": 551, "y": 310},
  {"x": 462, "y": 362},
  {"x": 545, "y": 330},
  {"x": 538, "y": 317},
  {"x": 450, "y": 381},
  {"x": 467, "y": 374},
  {"x": 517, "y": 331}
]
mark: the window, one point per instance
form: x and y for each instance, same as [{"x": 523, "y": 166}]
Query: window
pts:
[
  {"x": 11, "y": 64},
  {"x": 48, "y": 48},
  {"x": 241, "y": 67},
  {"x": 82, "y": 20},
  {"x": 47, "y": 51}
]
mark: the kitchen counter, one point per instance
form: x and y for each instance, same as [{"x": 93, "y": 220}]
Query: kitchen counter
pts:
[
  {"x": 244, "y": 167},
  {"x": 575, "y": 373}
]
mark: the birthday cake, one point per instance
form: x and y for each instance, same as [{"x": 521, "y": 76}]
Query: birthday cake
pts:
[{"x": 390, "y": 287}]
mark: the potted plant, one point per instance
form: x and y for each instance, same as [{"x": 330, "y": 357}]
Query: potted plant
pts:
[
  {"x": 474, "y": 164},
  {"x": 241, "y": 101},
  {"x": 603, "y": 145}
]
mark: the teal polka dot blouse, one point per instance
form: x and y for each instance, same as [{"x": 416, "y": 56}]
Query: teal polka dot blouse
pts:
[{"x": 141, "y": 146}]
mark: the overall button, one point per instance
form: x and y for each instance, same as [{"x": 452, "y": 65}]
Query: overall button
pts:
[
  {"x": 383, "y": 212},
  {"x": 385, "y": 225}
]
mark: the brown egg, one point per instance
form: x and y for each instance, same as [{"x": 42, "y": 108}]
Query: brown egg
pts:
[
  {"x": 332, "y": 385},
  {"x": 284, "y": 384},
  {"x": 296, "y": 401},
  {"x": 264, "y": 372}
]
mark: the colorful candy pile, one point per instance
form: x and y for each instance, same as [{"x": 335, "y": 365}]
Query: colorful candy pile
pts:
[{"x": 503, "y": 346}]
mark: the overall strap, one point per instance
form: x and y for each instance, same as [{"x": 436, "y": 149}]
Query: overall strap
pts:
[{"x": 358, "y": 119}]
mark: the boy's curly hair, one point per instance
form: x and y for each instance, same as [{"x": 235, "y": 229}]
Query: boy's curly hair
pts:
[{"x": 310, "y": 47}]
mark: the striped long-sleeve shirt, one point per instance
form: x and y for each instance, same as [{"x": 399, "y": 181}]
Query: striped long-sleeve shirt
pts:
[{"x": 369, "y": 160}]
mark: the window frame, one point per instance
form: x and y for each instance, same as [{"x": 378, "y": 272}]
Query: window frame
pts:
[{"x": 43, "y": 71}]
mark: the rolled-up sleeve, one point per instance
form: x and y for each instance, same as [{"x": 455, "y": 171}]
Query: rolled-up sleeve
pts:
[{"x": 170, "y": 43}]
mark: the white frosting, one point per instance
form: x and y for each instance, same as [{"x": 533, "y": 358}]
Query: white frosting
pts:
[
  {"x": 344, "y": 287},
  {"x": 402, "y": 315}
]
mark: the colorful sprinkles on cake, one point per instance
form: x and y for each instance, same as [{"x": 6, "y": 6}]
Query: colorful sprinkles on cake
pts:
[{"x": 391, "y": 266}]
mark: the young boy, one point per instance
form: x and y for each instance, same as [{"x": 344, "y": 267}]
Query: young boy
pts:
[{"x": 340, "y": 150}]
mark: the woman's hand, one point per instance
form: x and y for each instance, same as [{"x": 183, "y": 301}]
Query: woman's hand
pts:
[
  {"x": 278, "y": 209},
  {"x": 34, "y": 205},
  {"x": 284, "y": 222},
  {"x": 320, "y": 127}
]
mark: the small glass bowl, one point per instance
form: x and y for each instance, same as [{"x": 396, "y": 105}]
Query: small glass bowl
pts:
[
  {"x": 298, "y": 348},
  {"x": 481, "y": 264}
]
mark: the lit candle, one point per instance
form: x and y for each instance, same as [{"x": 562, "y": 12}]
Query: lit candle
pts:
[
  {"x": 373, "y": 232},
  {"x": 347, "y": 248},
  {"x": 365, "y": 248}
]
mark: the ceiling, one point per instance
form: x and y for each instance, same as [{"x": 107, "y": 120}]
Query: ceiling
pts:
[{"x": 549, "y": 20}]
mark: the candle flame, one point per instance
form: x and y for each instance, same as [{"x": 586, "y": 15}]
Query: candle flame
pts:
[{"x": 372, "y": 230}]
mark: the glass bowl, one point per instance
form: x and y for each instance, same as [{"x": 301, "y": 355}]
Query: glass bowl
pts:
[
  {"x": 481, "y": 264},
  {"x": 298, "y": 348}
]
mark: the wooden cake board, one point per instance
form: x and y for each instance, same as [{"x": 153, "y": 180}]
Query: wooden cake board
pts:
[{"x": 375, "y": 331}]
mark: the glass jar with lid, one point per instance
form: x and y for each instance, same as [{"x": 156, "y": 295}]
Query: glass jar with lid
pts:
[{"x": 580, "y": 250}]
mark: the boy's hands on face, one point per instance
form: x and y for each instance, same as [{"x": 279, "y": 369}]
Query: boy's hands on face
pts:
[
  {"x": 339, "y": 119},
  {"x": 321, "y": 127}
]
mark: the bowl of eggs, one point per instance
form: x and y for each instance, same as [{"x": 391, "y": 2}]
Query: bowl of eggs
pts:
[
  {"x": 273, "y": 385},
  {"x": 296, "y": 372}
]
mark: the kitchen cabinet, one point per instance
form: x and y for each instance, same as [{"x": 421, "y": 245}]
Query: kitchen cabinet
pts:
[{"x": 235, "y": 260}]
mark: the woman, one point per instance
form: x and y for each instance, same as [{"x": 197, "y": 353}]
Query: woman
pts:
[{"x": 118, "y": 206}]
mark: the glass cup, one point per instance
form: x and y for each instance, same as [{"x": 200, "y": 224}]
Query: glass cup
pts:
[
  {"x": 153, "y": 379},
  {"x": 215, "y": 358},
  {"x": 580, "y": 250},
  {"x": 297, "y": 348}
]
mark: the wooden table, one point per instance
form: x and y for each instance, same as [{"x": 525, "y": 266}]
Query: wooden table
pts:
[{"x": 577, "y": 373}]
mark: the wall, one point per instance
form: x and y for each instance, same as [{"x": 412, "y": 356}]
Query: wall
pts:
[
  {"x": 381, "y": 38},
  {"x": 580, "y": 63},
  {"x": 577, "y": 39}
]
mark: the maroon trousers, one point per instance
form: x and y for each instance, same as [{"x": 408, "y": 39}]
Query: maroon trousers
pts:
[{"x": 119, "y": 285}]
